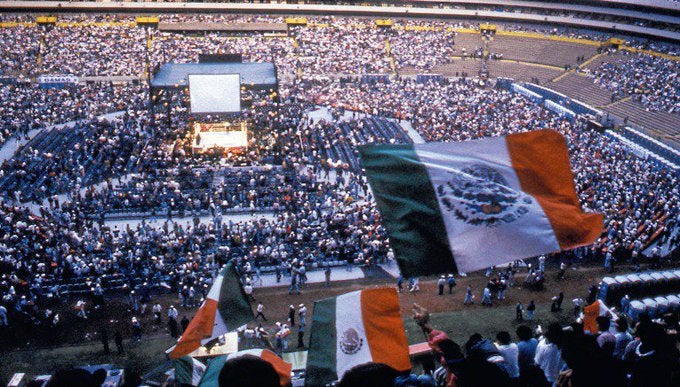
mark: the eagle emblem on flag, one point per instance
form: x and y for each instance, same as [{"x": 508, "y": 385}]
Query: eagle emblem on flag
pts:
[
  {"x": 480, "y": 195},
  {"x": 350, "y": 342}
]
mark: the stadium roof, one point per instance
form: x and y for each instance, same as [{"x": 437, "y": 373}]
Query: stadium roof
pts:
[{"x": 259, "y": 75}]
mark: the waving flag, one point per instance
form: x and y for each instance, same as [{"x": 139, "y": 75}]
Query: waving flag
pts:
[
  {"x": 471, "y": 205},
  {"x": 592, "y": 312},
  {"x": 212, "y": 374},
  {"x": 356, "y": 328},
  {"x": 225, "y": 309}
]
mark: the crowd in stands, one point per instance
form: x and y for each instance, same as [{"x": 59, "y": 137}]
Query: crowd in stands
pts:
[
  {"x": 19, "y": 48},
  {"x": 94, "y": 50},
  {"x": 60, "y": 159},
  {"x": 180, "y": 48},
  {"x": 26, "y": 106},
  {"x": 335, "y": 45},
  {"x": 345, "y": 47},
  {"x": 423, "y": 50},
  {"x": 638, "y": 198},
  {"x": 304, "y": 173},
  {"x": 651, "y": 80},
  {"x": 316, "y": 220},
  {"x": 639, "y": 202}
]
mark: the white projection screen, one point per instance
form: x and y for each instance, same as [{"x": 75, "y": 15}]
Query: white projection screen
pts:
[{"x": 215, "y": 93}]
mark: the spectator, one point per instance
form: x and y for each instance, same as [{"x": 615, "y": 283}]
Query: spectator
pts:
[
  {"x": 548, "y": 356},
  {"x": 510, "y": 353}
]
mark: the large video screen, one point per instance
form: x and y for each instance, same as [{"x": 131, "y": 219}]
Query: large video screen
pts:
[{"x": 215, "y": 93}]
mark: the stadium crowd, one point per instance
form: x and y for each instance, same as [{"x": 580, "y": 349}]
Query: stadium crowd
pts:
[
  {"x": 26, "y": 106},
  {"x": 651, "y": 80},
  {"x": 20, "y": 48},
  {"x": 94, "y": 50},
  {"x": 302, "y": 174}
]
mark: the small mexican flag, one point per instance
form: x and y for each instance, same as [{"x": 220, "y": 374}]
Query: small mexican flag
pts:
[
  {"x": 469, "y": 205},
  {"x": 225, "y": 309},
  {"x": 356, "y": 328}
]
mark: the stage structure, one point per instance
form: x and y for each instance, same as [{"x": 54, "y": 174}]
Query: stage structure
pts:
[
  {"x": 224, "y": 135},
  {"x": 254, "y": 76},
  {"x": 215, "y": 89}
]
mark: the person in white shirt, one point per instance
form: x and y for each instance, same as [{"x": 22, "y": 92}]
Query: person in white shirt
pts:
[
  {"x": 172, "y": 313},
  {"x": 80, "y": 307},
  {"x": 548, "y": 356},
  {"x": 157, "y": 309},
  {"x": 248, "y": 289},
  {"x": 622, "y": 338},
  {"x": 260, "y": 311},
  {"x": 510, "y": 353},
  {"x": 302, "y": 312}
]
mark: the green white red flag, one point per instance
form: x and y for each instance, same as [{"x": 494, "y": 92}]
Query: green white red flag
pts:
[
  {"x": 225, "y": 309},
  {"x": 356, "y": 328},
  {"x": 471, "y": 205}
]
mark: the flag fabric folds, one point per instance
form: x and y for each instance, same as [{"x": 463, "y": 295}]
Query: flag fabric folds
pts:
[
  {"x": 188, "y": 371},
  {"x": 470, "y": 205},
  {"x": 591, "y": 313},
  {"x": 211, "y": 378},
  {"x": 356, "y": 328},
  {"x": 225, "y": 309}
]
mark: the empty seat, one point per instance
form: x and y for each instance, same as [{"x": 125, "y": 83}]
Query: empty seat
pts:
[
  {"x": 670, "y": 276},
  {"x": 635, "y": 287}
]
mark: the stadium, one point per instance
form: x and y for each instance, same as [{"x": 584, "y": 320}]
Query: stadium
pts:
[{"x": 355, "y": 193}]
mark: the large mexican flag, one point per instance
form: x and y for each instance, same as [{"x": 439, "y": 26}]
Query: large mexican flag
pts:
[{"x": 470, "y": 205}]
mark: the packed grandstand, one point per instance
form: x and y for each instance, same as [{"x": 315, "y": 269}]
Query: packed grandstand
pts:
[{"x": 116, "y": 218}]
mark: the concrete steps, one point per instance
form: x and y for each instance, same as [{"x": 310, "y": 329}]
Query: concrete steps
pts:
[{"x": 582, "y": 89}]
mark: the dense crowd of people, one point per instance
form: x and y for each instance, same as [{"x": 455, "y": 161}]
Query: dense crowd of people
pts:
[
  {"x": 20, "y": 49},
  {"x": 651, "y": 80},
  {"x": 423, "y": 51},
  {"x": 316, "y": 218},
  {"x": 557, "y": 355},
  {"x": 178, "y": 48},
  {"x": 94, "y": 50},
  {"x": 26, "y": 106},
  {"x": 300, "y": 176}
]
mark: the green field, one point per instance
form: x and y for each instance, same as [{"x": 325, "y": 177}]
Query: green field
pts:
[
  {"x": 487, "y": 322},
  {"x": 144, "y": 356}
]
